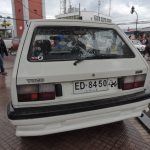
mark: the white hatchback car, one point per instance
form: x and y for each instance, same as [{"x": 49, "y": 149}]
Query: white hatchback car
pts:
[
  {"x": 75, "y": 74},
  {"x": 139, "y": 46}
]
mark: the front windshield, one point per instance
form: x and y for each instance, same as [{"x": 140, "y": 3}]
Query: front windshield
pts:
[{"x": 73, "y": 43}]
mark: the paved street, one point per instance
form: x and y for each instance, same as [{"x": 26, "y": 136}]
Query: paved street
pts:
[{"x": 126, "y": 135}]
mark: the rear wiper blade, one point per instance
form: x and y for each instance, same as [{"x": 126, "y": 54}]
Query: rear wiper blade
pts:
[
  {"x": 78, "y": 61},
  {"x": 98, "y": 56}
]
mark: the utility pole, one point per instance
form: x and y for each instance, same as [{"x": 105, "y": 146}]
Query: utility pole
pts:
[
  {"x": 63, "y": 6},
  {"x": 109, "y": 7},
  {"x": 79, "y": 12},
  {"x": 70, "y": 4},
  {"x": 99, "y": 3}
]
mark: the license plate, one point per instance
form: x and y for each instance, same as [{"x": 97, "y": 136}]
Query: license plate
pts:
[{"x": 88, "y": 86}]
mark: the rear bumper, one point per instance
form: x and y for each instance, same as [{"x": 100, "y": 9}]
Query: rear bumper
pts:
[
  {"x": 54, "y": 119},
  {"x": 50, "y": 111}
]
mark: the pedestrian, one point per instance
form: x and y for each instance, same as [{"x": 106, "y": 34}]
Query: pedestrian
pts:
[
  {"x": 143, "y": 39},
  {"x": 147, "y": 46},
  {"x": 129, "y": 37},
  {"x": 3, "y": 51}
]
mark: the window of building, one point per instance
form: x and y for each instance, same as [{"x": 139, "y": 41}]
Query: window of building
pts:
[{"x": 103, "y": 19}]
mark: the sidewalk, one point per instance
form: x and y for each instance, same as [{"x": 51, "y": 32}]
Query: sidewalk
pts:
[{"x": 8, "y": 62}]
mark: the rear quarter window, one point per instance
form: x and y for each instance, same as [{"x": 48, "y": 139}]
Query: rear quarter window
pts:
[{"x": 71, "y": 43}]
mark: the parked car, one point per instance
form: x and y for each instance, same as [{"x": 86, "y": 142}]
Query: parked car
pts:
[
  {"x": 139, "y": 46},
  {"x": 8, "y": 43},
  {"x": 76, "y": 84},
  {"x": 15, "y": 43}
]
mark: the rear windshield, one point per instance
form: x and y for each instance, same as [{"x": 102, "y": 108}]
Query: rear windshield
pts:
[{"x": 75, "y": 43}]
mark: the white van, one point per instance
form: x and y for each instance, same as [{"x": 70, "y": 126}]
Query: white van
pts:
[{"x": 72, "y": 74}]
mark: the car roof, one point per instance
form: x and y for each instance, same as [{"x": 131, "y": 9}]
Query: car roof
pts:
[{"x": 69, "y": 20}]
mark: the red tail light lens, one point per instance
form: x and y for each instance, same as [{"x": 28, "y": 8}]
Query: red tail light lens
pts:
[
  {"x": 132, "y": 82},
  {"x": 34, "y": 96},
  {"x": 46, "y": 91},
  {"x": 47, "y": 96},
  {"x": 139, "y": 84},
  {"x": 139, "y": 81},
  {"x": 128, "y": 86},
  {"x": 37, "y": 92},
  {"x": 128, "y": 83}
]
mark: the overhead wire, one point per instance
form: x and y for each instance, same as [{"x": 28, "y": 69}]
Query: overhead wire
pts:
[
  {"x": 128, "y": 21},
  {"x": 120, "y": 23},
  {"x": 125, "y": 20},
  {"x": 24, "y": 7},
  {"x": 13, "y": 18},
  {"x": 140, "y": 22}
]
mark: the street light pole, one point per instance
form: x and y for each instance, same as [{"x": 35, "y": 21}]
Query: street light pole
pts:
[
  {"x": 132, "y": 11},
  {"x": 136, "y": 19}
]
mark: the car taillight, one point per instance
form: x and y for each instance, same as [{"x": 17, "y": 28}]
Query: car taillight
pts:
[
  {"x": 46, "y": 92},
  {"x": 132, "y": 82},
  {"x": 35, "y": 92}
]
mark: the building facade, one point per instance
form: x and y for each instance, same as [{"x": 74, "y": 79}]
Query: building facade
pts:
[
  {"x": 85, "y": 15},
  {"x": 23, "y": 10}
]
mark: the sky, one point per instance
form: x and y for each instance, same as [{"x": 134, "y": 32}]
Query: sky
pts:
[{"x": 120, "y": 9}]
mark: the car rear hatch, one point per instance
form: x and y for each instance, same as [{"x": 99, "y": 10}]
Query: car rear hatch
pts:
[
  {"x": 88, "y": 80},
  {"x": 61, "y": 75}
]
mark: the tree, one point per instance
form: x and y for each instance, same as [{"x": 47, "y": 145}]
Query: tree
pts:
[{"x": 5, "y": 24}]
